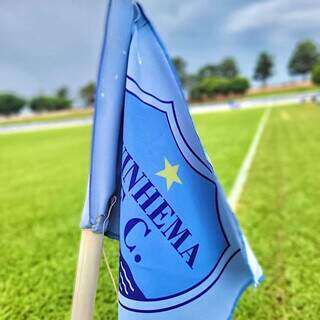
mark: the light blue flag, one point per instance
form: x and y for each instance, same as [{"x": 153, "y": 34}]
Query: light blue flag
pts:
[{"x": 182, "y": 253}]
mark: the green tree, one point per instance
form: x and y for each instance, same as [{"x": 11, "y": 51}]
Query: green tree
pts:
[
  {"x": 315, "y": 75},
  {"x": 47, "y": 103},
  {"x": 304, "y": 58},
  {"x": 87, "y": 93},
  {"x": 63, "y": 92},
  {"x": 264, "y": 68},
  {"x": 181, "y": 65},
  {"x": 10, "y": 104},
  {"x": 211, "y": 87},
  {"x": 238, "y": 85},
  {"x": 228, "y": 68},
  {"x": 209, "y": 70}
]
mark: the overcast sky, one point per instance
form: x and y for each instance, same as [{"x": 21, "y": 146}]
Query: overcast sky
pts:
[{"x": 45, "y": 44}]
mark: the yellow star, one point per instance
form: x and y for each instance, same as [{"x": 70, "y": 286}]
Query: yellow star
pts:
[{"x": 170, "y": 173}]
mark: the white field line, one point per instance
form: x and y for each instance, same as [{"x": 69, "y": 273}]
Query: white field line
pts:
[
  {"x": 39, "y": 126},
  {"x": 247, "y": 162}
]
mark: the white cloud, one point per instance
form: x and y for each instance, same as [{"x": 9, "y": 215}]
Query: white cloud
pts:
[
  {"x": 288, "y": 14},
  {"x": 175, "y": 15}
]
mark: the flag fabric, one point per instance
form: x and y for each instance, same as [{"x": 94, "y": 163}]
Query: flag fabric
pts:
[{"x": 182, "y": 253}]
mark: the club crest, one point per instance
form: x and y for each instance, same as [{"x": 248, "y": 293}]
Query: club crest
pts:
[{"x": 169, "y": 201}]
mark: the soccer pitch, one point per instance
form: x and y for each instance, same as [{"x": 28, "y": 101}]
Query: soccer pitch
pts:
[{"x": 43, "y": 181}]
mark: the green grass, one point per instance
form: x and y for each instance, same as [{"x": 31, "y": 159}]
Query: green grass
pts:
[
  {"x": 41, "y": 195},
  {"x": 43, "y": 178},
  {"x": 280, "y": 212}
]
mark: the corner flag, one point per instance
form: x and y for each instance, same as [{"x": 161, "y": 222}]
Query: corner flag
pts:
[{"x": 182, "y": 253}]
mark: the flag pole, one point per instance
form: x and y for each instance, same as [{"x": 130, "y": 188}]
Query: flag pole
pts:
[
  {"x": 87, "y": 275},
  {"x": 105, "y": 140}
]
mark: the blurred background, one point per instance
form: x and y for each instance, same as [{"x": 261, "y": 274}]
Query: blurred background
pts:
[{"x": 236, "y": 57}]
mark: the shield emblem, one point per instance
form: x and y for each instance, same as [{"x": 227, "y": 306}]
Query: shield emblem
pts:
[{"x": 172, "y": 240}]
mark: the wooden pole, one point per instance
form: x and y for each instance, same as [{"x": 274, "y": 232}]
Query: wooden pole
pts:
[{"x": 86, "y": 275}]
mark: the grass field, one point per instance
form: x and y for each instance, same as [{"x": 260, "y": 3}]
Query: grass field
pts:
[{"x": 43, "y": 178}]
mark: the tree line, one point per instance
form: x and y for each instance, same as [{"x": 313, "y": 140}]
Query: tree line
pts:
[
  {"x": 12, "y": 103},
  {"x": 210, "y": 81},
  {"x": 223, "y": 79}
]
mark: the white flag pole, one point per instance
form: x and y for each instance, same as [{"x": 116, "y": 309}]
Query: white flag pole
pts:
[{"x": 87, "y": 275}]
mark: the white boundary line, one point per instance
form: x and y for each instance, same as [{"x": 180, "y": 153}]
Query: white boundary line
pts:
[
  {"x": 40, "y": 126},
  {"x": 246, "y": 164}
]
